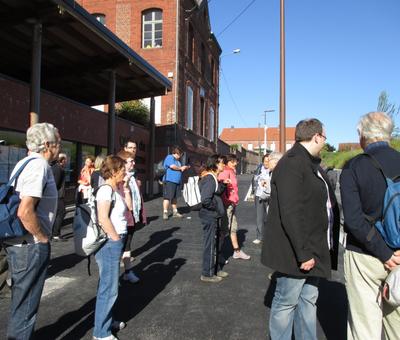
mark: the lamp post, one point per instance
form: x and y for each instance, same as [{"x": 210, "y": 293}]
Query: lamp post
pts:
[{"x": 265, "y": 129}]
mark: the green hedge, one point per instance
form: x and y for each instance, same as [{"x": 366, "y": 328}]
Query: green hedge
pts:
[{"x": 339, "y": 158}]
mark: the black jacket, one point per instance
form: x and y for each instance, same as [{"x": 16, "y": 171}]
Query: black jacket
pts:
[
  {"x": 297, "y": 223},
  {"x": 362, "y": 188},
  {"x": 211, "y": 201}
]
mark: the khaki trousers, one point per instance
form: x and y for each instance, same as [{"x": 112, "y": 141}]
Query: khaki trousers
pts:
[{"x": 368, "y": 313}]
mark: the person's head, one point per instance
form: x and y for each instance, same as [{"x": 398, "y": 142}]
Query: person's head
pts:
[
  {"x": 113, "y": 168},
  {"x": 177, "y": 152},
  {"x": 311, "y": 134},
  {"x": 131, "y": 146},
  {"x": 231, "y": 160},
  {"x": 89, "y": 161},
  {"x": 265, "y": 160},
  {"x": 374, "y": 127},
  {"x": 215, "y": 163},
  {"x": 128, "y": 158},
  {"x": 273, "y": 160},
  {"x": 62, "y": 159},
  {"x": 45, "y": 139},
  {"x": 98, "y": 162}
]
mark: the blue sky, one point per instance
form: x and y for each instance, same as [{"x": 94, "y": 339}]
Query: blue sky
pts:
[{"x": 340, "y": 54}]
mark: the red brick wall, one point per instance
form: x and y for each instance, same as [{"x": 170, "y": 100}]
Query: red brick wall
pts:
[{"x": 164, "y": 59}]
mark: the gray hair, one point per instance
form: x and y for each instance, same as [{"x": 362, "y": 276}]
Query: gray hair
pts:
[
  {"x": 62, "y": 156},
  {"x": 275, "y": 156},
  {"x": 375, "y": 126},
  {"x": 38, "y": 134},
  {"x": 99, "y": 161}
]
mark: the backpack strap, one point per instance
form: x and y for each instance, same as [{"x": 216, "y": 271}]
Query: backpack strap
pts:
[
  {"x": 376, "y": 164},
  {"x": 16, "y": 175}
]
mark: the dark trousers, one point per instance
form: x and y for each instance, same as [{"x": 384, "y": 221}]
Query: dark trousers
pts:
[
  {"x": 58, "y": 222},
  {"x": 210, "y": 244},
  {"x": 28, "y": 265},
  {"x": 261, "y": 214}
]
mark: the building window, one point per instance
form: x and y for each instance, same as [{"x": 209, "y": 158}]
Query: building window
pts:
[
  {"x": 202, "y": 58},
  {"x": 100, "y": 17},
  {"x": 189, "y": 108},
  {"x": 190, "y": 51},
  {"x": 152, "y": 28},
  {"x": 211, "y": 125},
  {"x": 212, "y": 71}
]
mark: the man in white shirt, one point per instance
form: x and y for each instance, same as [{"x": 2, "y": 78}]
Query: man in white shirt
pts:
[{"x": 29, "y": 255}]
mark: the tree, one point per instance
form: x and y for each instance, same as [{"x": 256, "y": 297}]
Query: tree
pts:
[
  {"x": 329, "y": 148},
  {"x": 385, "y": 106},
  {"x": 135, "y": 111}
]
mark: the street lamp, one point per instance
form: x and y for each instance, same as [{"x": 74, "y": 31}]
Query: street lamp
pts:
[{"x": 265, "y": 129}]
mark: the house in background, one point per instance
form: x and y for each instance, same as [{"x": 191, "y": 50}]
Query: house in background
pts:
[
  {"x": 176, "y": 37},
  {"x": 252, "y": 139}
]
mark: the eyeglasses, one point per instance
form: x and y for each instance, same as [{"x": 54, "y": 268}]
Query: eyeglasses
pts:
[{"x": 323, "y": 136}]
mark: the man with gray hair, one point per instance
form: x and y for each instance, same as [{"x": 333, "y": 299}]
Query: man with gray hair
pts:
[
  {"x": 29, "y": 255},
  {"x": 368, "y": 259}
]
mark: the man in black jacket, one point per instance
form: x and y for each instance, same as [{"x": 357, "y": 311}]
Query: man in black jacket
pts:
[
  {"x": 368, "y": 259},
  {"x": 300, "y": 234}
]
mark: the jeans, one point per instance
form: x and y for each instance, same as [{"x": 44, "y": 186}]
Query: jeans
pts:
[
  {"x": 107, "y": 258},
  {"x": 209, "y": 251},
  {"x": 261, "y": 214},
  {"x": 294, "y": 306},
  {"x": 28, "y": 265}
]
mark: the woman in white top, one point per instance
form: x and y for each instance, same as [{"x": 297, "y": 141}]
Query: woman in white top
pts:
[{"x": 111, "y": 212}]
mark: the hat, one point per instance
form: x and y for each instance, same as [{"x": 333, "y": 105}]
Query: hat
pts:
[{"x": 392, "y": 283}]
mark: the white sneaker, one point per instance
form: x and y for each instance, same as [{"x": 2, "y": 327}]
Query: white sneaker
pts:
[
  {"x": 118, "y": 325},
  {"x": 240, "y": 255},
  {"x": 257, "y": 241},
  {"x": 131, "y": 277},
  {"x": 110, "y": 337}
]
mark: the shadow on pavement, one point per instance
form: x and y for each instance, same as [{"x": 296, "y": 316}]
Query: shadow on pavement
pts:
[
  {"x": 81, "y": 319},
  {"x": 154, "y": 276},
  {"x": 155, "y": 239},
  {"x": 62, "y": 263}
]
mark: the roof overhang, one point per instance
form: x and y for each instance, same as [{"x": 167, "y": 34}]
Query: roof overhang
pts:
[{"x": 78, "y": 53}]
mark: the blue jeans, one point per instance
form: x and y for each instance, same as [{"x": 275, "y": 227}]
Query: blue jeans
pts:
[
  {"x": 209, "y": 251},
  {"x": 28, "y": 265},
  {"x": 107, "y": 258},
  {"x": 294, "y": 306}
]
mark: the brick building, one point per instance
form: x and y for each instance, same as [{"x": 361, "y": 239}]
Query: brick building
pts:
[
  {"x": 253, "y": 138},
  {"x": 174, "y": 36}
]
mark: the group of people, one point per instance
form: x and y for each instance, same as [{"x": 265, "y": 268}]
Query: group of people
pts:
[{"x": 297, "y": 225}]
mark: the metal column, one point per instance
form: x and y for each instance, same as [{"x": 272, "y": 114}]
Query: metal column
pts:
[
  {"x": 111, "y": 114},
  {"x": 34, "y": 102},
  {"x": 152, "y": 147}
]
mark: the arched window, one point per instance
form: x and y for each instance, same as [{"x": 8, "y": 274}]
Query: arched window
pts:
[
  {"x": 152, "y": 28},
  {"x": 100, "y": 17}
]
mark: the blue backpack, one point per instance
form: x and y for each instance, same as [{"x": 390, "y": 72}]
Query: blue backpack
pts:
[
  {"x": 389, "y": 225},
  {"x": 10, "y": 224}
]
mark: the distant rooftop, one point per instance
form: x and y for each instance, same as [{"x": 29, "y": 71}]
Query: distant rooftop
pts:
[{"x": 252, "y": 134}]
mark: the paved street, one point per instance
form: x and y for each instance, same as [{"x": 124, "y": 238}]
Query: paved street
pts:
[{"x": 171, "y": 302}]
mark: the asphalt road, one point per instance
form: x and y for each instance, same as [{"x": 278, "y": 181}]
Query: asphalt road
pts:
[{"x": 170, "y": 302}]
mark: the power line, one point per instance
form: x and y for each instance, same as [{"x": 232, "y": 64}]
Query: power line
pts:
[
  {"x": 237, "y": 17},
  {"x": 233, "y": 100}
]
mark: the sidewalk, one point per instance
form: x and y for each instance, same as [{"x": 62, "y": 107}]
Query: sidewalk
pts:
[{"x": 171, "y": 302}]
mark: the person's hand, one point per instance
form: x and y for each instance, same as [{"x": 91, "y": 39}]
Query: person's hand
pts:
[
  {"x": 307, "y": 265},
  {"x": 126, "y": 180},
  {"x": 42, "y": 238},
  {"x": 185, "y": 167},
  {"x": 393, "y": 261},
  {"x": 227, "y": 181}
]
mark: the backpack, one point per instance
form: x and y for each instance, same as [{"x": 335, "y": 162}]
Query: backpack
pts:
[
  {"x": 191, "y": 193},
  {"x": 88, "y": 234},
  {"x": 389, "y": 225},
  {"x": 10, "y": 224}
]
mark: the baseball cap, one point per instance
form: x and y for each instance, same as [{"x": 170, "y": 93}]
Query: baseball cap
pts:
[{"x": 392, "y": 283}]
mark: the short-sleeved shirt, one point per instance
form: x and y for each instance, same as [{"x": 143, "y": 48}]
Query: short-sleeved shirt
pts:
[
  {"x": 37, "y": 180},
  {"x": 118, "y": 216},
  {"x": 172, "y": 175}
]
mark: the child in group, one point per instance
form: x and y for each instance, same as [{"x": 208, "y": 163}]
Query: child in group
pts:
[{"x": 231, "y": 199}]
